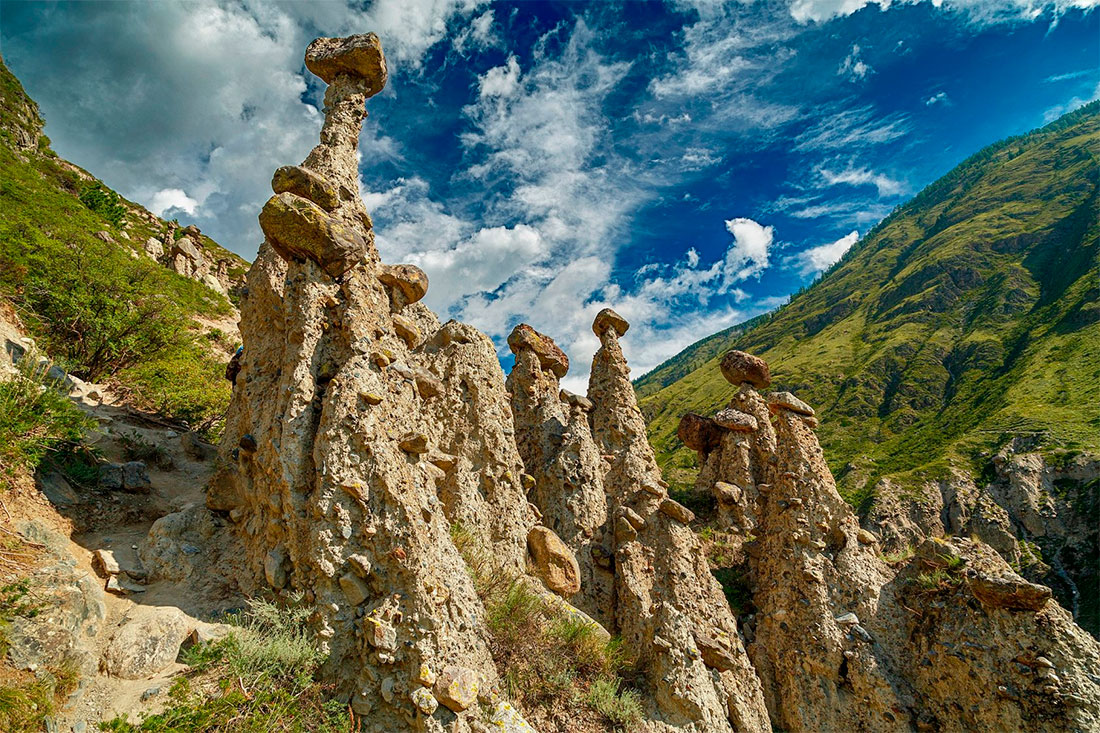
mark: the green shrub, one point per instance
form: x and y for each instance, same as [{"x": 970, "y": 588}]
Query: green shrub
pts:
[
  {"x": 104, "y": 202},
  {"x": 35, "y": 420},
  {"x": 187, "y": 383},
  {"x": 551, "y": 660},
  {"x": 622, "y": 709}
]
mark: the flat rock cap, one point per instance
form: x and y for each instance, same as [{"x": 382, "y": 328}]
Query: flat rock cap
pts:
[
  {"x": 357, "y": 56},
  {"x": 787, "y": 401},
  {"x": 608, "y": 318},
  {"x": 735, "y": 420},
  {"x": 550, "y": 356},
  {"x": 739, "y": 367}
]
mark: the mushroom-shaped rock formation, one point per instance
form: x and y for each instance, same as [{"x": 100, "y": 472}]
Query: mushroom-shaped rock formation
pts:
[
  {"x": 359, "y": 57},
  {"x": 739, "y": 367},
  {"x": 549, "y": 355},
  {"x": 348, "y": 405},
  {"x": 841, "y": 641},
  {"x": 608, "y": 318}
]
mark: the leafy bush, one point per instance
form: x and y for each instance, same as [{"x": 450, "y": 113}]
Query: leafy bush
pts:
[
  {"x": 260, "y": 677},
  {"x": 104, "y": 202},
  {"x": 186, "y": 383},
  {"x": 35, "y": 420}
]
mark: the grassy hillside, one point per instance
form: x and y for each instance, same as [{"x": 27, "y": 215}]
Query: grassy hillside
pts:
[
  {"x": 72, "y": 263},
  {"x": 968, "y": 315}
]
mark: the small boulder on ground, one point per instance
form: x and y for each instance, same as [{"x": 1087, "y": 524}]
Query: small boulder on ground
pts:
[{"x": 146, "y": 642}]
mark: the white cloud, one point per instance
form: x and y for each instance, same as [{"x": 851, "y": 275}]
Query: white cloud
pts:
[
  {"x": 1073, "y": 103},
  {"x": 502, "y": 81},
  {"x": 172, "y": 198},
  {"x": 853, "y": 67},
  {"x": 937, "y": 98},
  {"x": 975, "y": 11},
  {"x": 886, "y": 185},
  {"x": 818, "y": 259},
  {"x": 205, "y": 98},
  {"x": 852, "y": 128},
  {"x": 748, "y": 255}
]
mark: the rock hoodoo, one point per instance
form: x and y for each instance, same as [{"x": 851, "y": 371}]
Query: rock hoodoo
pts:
[
  {"x": 843, "y": 641},
  {"x": 364, "y": 438}
]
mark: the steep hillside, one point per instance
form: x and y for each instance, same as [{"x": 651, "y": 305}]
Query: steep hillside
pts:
[
  {"x": 110, "y": 291},
  {"x": 961, "y": 336},
  {"x": 968, "y": 315}
]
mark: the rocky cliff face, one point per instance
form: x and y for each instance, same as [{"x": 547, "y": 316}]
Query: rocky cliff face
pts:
[{"x": 362, "y": 432}]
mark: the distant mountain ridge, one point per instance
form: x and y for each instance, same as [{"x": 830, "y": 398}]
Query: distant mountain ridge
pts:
[
  {"x": 954, "y": 358},
  {"x": 972, "y": 308}
]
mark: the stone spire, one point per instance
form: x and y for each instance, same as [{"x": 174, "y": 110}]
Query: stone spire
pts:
[
  {"x": 360, "y": 431},
  {"x": 670, "y": 610}
]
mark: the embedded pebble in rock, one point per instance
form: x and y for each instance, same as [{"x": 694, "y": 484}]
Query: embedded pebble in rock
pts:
[
  {"x": 409, "y": 280},
  {"x": 554, "y": 562},
  {"x": 456, "y": 688}
]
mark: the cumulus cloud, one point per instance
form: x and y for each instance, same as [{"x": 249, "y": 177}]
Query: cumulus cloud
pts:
[
  {"x": 937, "y": 98},
  {"x": 169, "y": 199},
  {"x": 818, "y": 259},
  {"x": 748, "y": 255}
]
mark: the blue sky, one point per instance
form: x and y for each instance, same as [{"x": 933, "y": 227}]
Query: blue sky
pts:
[{"x": 687, "y": 163}]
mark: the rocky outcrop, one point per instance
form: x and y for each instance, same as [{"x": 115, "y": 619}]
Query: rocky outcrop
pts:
[
  {"x": 360, "y": 431},
  {"x": 842, "y": 641},
  {"x": 644, "y": 575},
  {"x": 1034, "y": 513},
  {"x": 364, "y": 438}
]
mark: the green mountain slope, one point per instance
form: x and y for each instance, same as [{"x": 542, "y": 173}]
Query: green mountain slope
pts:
[
  {"x": 969, "y": 315},
  {"x": 72, "y": 263}
]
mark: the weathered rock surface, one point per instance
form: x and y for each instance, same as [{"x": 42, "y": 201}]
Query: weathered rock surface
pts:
[
  {"x": 843, "y": 642},
  {"x": 145, "y": 643},
  {"x": 346, "y": 495}
]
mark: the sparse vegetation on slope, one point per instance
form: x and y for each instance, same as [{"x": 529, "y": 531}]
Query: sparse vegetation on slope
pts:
[
  {"x": 969, "y": 315},
  {"x": 556, "y": 667},
  {"x": 261, "y": 677},
  {"x": 92, "y": 299}
]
